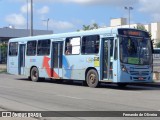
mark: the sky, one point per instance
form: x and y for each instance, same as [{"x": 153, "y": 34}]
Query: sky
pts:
[{"x": 71, "y": 15}]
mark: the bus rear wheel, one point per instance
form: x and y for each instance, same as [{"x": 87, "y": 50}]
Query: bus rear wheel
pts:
[
  {"x": 34, "y": 74},
  {"x": 92, "y": 78}
]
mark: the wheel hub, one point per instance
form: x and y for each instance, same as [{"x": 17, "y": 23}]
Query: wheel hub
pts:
[{"x": 92, "y": 78}]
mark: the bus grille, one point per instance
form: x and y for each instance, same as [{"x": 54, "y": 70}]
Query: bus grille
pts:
[{"x": 141, "y": 73}]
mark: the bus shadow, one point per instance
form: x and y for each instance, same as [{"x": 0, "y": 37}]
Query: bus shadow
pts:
[
  {"x": 130, "y": 87},
  {"x": 24, "y": 79},
  {"x": 105, "y": 85}
]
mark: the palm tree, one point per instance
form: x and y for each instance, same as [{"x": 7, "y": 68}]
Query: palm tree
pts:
[
  {"x": 86, "y": 27},
  {"x": 95, "y": 26}
]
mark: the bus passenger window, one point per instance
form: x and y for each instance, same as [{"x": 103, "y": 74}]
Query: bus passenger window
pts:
[
  {"x": 69, "y": 49},
  {"x": 31, "y": 48},
  {"x": 72, "y": 46},
  {"x": 90, "y": 44},
  {"x": 43, "y": 47},
  {"x": 13, "y": 48}
]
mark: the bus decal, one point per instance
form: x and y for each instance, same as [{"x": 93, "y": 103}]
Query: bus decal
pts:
[
  {"x": 48, "y": 69},
  {"x": 32, "y": 60},
  {"x": 96, "y": 61},
  {"x": 68, "y": 69},
  {"x": 90, "y": 60}
]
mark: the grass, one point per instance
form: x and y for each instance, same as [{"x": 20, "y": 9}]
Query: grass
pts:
[{"x": 3, "y": 71}]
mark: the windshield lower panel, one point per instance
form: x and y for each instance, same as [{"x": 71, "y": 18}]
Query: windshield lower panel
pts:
[{"x": 135, "y": 51}]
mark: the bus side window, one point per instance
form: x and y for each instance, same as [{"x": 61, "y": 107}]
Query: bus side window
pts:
[
  {"x": 31, "y": 48},
  {"x": 13, "y": 49},
  {"x": 90, "y": 44},
  {"x": 72, "y": 46},
  {"x": 69, "y": 49},
  {"x": 43, "y": 47}
]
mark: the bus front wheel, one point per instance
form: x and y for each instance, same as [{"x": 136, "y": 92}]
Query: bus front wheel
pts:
[
  {"x": 92, "y": 78},
  {"x": 34, "y": 74}
]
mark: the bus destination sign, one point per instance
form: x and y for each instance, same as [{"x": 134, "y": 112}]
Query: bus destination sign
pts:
[{"x": 132, "y": 32}]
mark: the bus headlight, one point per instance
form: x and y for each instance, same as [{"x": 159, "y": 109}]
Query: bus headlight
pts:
[{"x": 123, "y": 68}]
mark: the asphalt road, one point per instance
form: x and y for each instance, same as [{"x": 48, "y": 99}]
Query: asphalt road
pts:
[{"x": 19, "y": 94}]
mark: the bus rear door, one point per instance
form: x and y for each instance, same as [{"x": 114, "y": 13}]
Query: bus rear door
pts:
[
  {"x": 21, "y": 63},
  {"x": 56, "y": 59}
]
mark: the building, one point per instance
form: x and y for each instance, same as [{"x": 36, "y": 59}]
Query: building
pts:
[
  {"x": 153, "y": 28},
  {"x": 7, "y": 33},
  {"x": 118, "y": 22}
]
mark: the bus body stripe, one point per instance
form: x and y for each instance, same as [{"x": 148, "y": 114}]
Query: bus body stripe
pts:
[{"x": 48, "y": 69}]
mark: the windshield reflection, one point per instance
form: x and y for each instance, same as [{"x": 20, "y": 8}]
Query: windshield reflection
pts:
[{"x": 135, "y": 50}]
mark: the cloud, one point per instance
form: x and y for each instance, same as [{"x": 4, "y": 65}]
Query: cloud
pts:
[
  {"x": 44, "y": 10},
  {"x": 92, "y": 2},
  {"x": 17, "y": 20},
  {"x": 58, "y": 25},
  {"x": 103, "y": 2},
  {"x": 26, "y": 7},
  {"x": 151, "y": 8}
]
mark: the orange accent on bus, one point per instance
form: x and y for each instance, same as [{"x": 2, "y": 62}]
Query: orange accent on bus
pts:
[{"x": 50, "y": 71}]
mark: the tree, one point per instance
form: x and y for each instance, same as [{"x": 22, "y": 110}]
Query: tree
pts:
[
  {"x": 141, "y": 27},
  {"x": 86, "y": 27},
  {"x": 3, "y": 52},
  {"x": 90, "y": 27},
  {"x": 158, "y": 45},
  {"x": 94, "y": 26}
]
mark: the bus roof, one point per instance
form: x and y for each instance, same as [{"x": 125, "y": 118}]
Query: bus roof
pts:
[{"x": 110, "y": 30}]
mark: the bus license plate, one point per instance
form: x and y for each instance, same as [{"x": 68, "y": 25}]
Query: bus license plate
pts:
[{"x": 141, "y": 78}]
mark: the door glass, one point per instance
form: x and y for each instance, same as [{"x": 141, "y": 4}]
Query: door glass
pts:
[
  {"x": 60, "y": 54},
  {"x": 111, "y": 59},
  {"x": 21, "y": 63},
  {"x": 105, "y": 59},
  {"x": 55, "y": 55},
  {"x": 22, "y": 52},
  {"x": 108, "y": 58}
]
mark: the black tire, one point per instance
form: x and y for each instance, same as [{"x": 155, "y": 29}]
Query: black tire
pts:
[
  {"x": 84, "y": 83},
  {"x": 29, "y": 77},
  {"x": 35, "y": 74},
  {"x": 92, "y": 78}
]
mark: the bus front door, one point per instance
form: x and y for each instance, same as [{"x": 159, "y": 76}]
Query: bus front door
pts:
[
  {"x": 56, "y": 59},
  {"x": 107, "y": 59},
  {"x": 21, "y": 62}
]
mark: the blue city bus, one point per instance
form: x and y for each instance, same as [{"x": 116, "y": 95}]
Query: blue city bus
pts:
[{"x": 116, "y": 55}]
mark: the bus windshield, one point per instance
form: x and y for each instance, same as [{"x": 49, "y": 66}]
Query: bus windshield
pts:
[{"x": 135, "y": 50}]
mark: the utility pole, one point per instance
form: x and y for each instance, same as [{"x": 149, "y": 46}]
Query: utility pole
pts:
[
  {"x": 31, "y": 21},
  {"x": 129, "y": 9},
  {"x": 47, "y": 20},
  {"x": 27, "y": 14}
]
